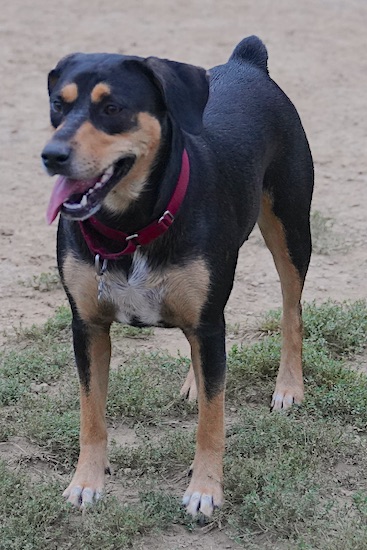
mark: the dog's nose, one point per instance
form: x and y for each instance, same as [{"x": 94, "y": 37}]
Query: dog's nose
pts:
[{"x": 56, "y": 155}]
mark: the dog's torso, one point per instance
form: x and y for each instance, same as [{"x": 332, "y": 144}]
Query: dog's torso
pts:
[{"x": 248, "y": 126}]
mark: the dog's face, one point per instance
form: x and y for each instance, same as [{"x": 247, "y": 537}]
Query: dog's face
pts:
[{"x": 107, "y": 111}]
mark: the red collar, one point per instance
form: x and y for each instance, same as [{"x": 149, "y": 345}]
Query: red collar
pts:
[{"x": 123, "y": 243}]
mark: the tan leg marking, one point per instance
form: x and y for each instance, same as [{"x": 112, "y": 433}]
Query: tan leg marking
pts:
[
  {"x": 81, "y": 281},
  {"x": 69, "y": 93},
  {"x": 289, "y": 385},
  {"x": 99, "y": 91},
  {"x": 88, "y": 481},
  {"x": 186, "y": 291},
  {"x": 205, "y": 491}
]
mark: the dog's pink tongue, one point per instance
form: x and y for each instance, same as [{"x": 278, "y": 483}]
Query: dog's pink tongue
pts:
[{"x": 63, "y": 189}]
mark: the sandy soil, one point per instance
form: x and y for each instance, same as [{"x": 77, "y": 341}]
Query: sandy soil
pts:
[{"x": 316, "y": 54}]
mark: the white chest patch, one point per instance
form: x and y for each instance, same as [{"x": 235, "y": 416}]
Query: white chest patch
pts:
[{"x": 138, "y": 296}]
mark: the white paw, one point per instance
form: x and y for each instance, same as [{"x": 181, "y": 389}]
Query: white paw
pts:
[
  {"x": 81, "y": 497},
  {"x": 204, "y": 494},
  {"x": 284, "y": 397}
]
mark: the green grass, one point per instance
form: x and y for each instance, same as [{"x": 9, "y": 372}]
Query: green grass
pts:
[
  {"x": 34, "y": 516},
  {"x": 135, "y": 333},
  {"x": 340, "y": 328},
  {"x": 146, "y": 387},
  {"x": 292, "y": 481},
  {"x": 45, "y": 282}
]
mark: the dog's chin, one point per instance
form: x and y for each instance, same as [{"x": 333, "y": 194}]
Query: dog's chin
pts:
[{"x": 82, "y": 206}]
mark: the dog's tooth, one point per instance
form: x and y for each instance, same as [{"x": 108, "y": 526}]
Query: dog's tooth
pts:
[
  {"x": 106, "y": 176},
  {"x": 98, "y": 185},
  {"x": 84, "y": 201}
]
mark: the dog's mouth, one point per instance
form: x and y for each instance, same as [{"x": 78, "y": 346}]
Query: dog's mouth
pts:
[{"x": 80, "y": 199}]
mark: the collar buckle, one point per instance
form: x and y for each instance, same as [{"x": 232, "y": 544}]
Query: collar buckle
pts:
[
  {"x": 132, "y": 243},
  {"x": 166, "y": 219}
]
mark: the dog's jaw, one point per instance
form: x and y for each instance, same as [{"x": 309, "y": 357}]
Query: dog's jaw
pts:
[{"x": 80, "y": 199}]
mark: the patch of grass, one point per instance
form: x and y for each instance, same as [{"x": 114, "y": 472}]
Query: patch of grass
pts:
[
  {"x": 352, "y": 535},
  {"x": 284, "y": 486},
  {"x": 7, "y": 425},
  {"x": 346, "y": 400},
  {"x": 41, "y": 354},
  {"x": 135, "y": 333},
  {"x": 271, "y": 322},
  {"x": 18, "y": 369},
  {"x": 167, "y": 509},
  {"x": 235, "y": 330},
  {"x": 360, "y": 502},
  {"x": 45, "y": 282},
  {"x": 57, "y": 328},
  {"x": 30, "y": 516},
  {"x": 277, "y": 470},
  {"x": 331, "y": 389},
  {"x": 252, "y": 371},
  {"x": 112, "y": 526},
  {"x": 35, "y": 516},
  {"x": 146, "y": 387},
  {"x": 339, "y": 327},
  {"x": 53, "y": 424},
  {"x": 172, "y": 452}
]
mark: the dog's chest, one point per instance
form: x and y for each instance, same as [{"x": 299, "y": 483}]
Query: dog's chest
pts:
[{"x": 137, "y": 297}]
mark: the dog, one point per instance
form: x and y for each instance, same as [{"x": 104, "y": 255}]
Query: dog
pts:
[{"x": 163, "y": 171}]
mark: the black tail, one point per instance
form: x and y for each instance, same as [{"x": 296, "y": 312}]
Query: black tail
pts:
[{"x": 252, "y": 50}]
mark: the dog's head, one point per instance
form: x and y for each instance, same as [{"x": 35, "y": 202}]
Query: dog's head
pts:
[{"x": 108, "y": 111}]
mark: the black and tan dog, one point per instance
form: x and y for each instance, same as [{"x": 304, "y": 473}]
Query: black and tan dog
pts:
[{"x": 164, "y": 170}]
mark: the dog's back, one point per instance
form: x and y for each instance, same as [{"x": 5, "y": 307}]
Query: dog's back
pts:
[
  {"x": 254, "y": 131},
  {"x": 246, "y": 109}
]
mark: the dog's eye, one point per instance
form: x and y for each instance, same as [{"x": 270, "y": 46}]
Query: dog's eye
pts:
[
  {"x": 111, "y": 109},
  {"x": 57, "y": 106}
]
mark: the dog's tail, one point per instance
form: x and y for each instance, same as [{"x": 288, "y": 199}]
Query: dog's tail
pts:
[{"x": 252, "y": 50}]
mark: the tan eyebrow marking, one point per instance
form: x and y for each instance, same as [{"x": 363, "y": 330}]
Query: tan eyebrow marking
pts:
[
  {"x": 99, "y": 91},
  {"x": 69, "y": 93}
]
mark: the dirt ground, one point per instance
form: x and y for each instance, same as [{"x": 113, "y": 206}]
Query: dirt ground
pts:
[{"x": 316, "y": 54}]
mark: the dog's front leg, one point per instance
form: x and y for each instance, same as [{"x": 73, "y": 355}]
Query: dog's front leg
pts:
[
  {"x": 205, "y": 491},
  {"x": 92, "y": 347}
]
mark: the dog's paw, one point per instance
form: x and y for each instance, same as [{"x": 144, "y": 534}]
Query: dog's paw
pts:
[
  {"x": 87, "y": 487},
  {"x": 204, "y": 494},
  {"x": 82, "y": 496},
  {"x": 189, "y": 389},
  {"x": 285, "y": 396}
]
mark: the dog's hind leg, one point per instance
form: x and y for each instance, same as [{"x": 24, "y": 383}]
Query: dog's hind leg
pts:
[
  {"x": 286, "y": 232},
  {"x": 189, "y": 389}
]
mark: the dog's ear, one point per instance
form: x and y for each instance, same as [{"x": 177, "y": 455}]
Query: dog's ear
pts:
[
  {"x": 54, "y": 75},
  {"x": 185, "y": 90}
]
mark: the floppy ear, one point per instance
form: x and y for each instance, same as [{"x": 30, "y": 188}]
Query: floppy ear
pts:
[
  {"x": 54, "y": 75},
  {"x": 185, "y": 90}
]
